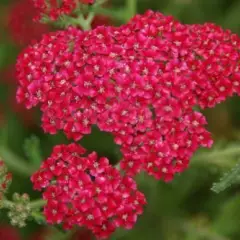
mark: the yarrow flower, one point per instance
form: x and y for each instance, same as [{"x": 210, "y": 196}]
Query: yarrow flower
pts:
[
  {"x": 139, "y": 82},
  {"x": 55, "y": 8},
  {"x": 82, "y": 189}
]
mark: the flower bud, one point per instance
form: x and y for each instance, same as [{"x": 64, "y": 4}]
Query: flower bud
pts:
[{"x": 20, "y": 210}]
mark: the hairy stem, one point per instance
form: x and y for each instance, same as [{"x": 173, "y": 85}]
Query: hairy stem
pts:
[
  {"x": 15, "y": 163},
  {"x": 83, "y": 23},
  {"x": 116, "y": 14},
  {"x": 37, "y": 203},
  {"x": 216, "y": 157},
  {"x": 131, "y": 8},
  {"x": 38, "y": 217},
  {"x": 86, "y": 23}
]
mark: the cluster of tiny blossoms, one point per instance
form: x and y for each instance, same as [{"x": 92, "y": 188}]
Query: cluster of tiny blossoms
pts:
[
  {"x": 83, "y": 190},
  {"x": 56, "y": 8},
  {"x": 139, "y": 82}
]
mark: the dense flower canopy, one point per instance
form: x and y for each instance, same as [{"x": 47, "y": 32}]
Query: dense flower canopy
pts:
[{"x": 140, "y": 82}]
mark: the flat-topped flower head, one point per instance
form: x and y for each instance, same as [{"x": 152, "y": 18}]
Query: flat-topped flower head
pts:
[
  {"x": 139, "y": 82},
  {"x": 82, "y": 189}
]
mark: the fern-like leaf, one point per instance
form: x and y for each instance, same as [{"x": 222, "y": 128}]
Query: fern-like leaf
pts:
[{"x": 227, "y": 180}]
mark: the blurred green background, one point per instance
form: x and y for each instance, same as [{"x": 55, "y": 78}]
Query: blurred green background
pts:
[{"x": 184, "y": 209}]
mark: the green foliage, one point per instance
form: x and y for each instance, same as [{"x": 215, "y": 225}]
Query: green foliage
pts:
[
  {"x": 228, "y": 218},
  {"x": 33, "y": 150},
  {"x": 227, "y": 180}
]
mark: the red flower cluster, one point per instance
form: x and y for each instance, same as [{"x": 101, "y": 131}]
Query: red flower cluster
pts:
[
  {"x": 139, "y": 81},
  {"x": 22, "y": 29},
  {"x": 56, "y": 8},
  {"x": 83, "y": 190},
  {"x": 216, "y": 63}
]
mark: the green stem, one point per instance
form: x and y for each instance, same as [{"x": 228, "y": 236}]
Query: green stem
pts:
[
  {"x": 117, "y": 14},
  {"x": 15, "y": 163},
  {"x": 38, "y": 217},
  {"x": 90, "y": 18},
  {"x": 216, "y": 157},
  {"x": 86, "y": 24},
  {"x": 37, "y": 203},
  {"x": 33, "y": 204},
  {"x": 122, "y": 15},
  {"x": 131, "y": 8},
  {"x": 82, "y": 22}
]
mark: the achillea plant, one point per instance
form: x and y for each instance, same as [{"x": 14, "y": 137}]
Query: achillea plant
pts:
[{"x": 140, "y": 82}]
